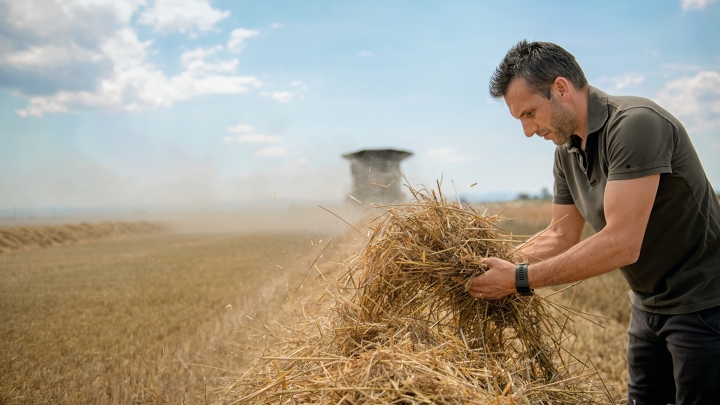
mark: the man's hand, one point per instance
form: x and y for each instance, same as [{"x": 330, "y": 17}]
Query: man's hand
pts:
[{"x": 497, "y": 282}]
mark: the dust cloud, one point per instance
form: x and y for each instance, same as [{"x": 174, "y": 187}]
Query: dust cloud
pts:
[{"x": 308, "y": 218}]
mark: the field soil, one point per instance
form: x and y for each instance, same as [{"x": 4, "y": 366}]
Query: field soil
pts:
[{"x": 134, "y": 319}]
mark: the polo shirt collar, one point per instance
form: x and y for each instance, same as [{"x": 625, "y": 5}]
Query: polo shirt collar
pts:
[
  {"x": 597, "y": 110},
  {"x": 597, "y": 113}
]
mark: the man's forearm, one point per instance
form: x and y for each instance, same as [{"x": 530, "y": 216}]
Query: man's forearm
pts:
[
  {"x": 544, "y": 245},
  {"x": 563, "y": 233},
  {"x": 598, "y": 254}
]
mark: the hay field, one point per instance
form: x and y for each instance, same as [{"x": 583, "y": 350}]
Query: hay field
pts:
[
  {"x": 91, "y": 323},
  {"x": 85, "y": 323},
  {"x": 38, "y": 237}
]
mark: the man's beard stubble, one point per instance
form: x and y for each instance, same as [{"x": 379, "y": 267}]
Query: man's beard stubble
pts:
[{"x": 562, "y": 122}]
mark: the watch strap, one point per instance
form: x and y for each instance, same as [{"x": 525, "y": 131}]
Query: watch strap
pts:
[{"x": 522, "y": 282}]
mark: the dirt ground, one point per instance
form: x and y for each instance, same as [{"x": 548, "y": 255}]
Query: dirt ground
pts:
[{"x": 108, "y": 321}]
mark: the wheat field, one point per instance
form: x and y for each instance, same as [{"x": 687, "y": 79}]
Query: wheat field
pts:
[{"x": 136, "y": 319}]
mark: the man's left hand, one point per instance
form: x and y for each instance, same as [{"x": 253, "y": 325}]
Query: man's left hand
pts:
[{"x": 497, "y": 282}]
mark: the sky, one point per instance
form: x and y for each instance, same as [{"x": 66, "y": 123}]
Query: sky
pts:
[{"x": 197, "y": 103}]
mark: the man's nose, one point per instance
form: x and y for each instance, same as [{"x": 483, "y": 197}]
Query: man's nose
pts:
[{"x": 529, "y": 128}]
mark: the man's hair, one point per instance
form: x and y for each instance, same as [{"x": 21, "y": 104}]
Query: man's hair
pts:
[{"x": 539, "y": 63}]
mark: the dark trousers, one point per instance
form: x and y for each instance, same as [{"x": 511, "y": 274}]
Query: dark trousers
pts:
[{"x": 674, "y": 359}]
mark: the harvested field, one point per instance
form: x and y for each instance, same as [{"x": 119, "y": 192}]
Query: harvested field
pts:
[
  {"x": 26, "y": 238},
  {"x": 403, "y": 328},
  {"x": 185, "y": 312},
  {"x": 86, "y": 323}
]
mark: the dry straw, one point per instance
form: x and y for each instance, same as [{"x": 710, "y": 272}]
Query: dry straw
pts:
[{"x": 403, "y": 332}]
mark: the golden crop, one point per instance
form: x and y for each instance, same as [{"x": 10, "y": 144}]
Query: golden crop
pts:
[{"x": 93, "y": 323}]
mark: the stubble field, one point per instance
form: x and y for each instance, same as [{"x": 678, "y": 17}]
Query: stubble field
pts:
[{"x": 111, "y": 321}]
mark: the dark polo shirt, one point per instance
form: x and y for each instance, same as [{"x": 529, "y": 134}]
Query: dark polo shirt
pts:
[{"x": 630, "y": 137}]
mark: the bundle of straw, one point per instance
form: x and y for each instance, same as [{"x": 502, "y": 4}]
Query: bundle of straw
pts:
[
  {"x": 408, "y": 268},
  {"x": 404, "y": 332}
]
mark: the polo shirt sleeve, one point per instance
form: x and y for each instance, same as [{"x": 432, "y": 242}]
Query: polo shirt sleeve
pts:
[
  {"x": 561, "y": 191},
  {"x": 640, "y": 143}
]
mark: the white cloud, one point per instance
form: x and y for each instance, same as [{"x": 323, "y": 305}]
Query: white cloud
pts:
[
  {"x": 194, "y": 61},
  {"x": 288, "y": 96},
  {"x": 183, "y": 16},
  {"x": 70, "y": 55},
  {"x": 272, "y": 151},
  {"x": 236, "y": 43},
  {"x": 48, "y": 19},
  {"x": 448, "y": 155},
  {"x": 365, "y": 54},
  {"x": 240, "y": 128},
  {"x": 715, "y": 146},
  {"x": 249, "y": 137},
  {"x": 299, "y": 84},
  {"x": 198, "y": 54},
  {"x": 679, "y": 66},
  {"x": 49, "y": 56},
  {"x": 696, "y": 4},
  {"x": 696, "y": 100},
  {"x": 630, "y": 79},
  {"x": 621, "y": 82},
  {"x": 51, "y": 45},
  {"x": 254, "y": 138},
  {"x": 283, "y": 97},
  {"x": 137, "y": 85},
  {"x": 275, "y": 26},
  {"x": 125, "y": 48},
  {"x": 40, "y": 105}
]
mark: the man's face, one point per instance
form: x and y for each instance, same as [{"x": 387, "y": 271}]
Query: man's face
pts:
[{"x": 548, "y": 119}]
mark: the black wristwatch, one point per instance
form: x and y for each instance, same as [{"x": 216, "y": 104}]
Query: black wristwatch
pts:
[{"x": 522, "y": 283}]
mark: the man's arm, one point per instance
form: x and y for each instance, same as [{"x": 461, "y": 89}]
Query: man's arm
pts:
[
  {"x": 563, "y": 233},
  {"x": 628, "y": 204}
]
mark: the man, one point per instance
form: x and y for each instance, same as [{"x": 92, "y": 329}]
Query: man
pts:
[{"x": 627, "y": 166}]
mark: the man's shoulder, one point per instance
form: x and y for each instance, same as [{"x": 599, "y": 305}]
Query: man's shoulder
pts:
[
  {"x": 611, "y": 112},
  {"x": 637, "y": 108}
]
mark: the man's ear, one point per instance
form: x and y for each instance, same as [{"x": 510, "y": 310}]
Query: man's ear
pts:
[{"x": 562, "y": 87}]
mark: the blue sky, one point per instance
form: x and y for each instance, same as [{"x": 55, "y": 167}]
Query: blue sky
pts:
[{"x": 195, "y": 102}]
